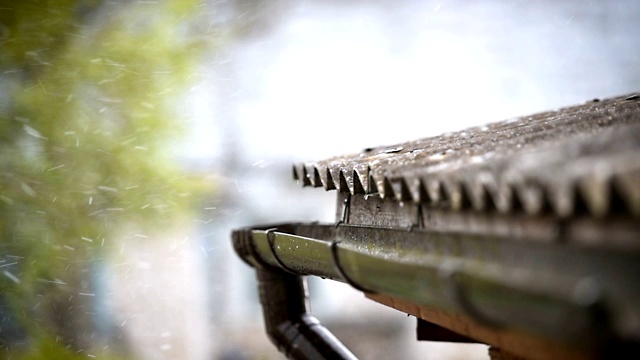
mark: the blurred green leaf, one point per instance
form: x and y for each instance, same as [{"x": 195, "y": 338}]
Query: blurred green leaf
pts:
[{"x": 87, "y": 145}]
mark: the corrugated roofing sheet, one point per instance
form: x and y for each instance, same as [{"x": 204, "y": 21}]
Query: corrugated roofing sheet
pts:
[{"x": 580, "y": 158}]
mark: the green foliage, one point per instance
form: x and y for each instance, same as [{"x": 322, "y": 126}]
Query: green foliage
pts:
[
  {"x": 89, "y": 123},
  {"x": 50, "y": 349}
]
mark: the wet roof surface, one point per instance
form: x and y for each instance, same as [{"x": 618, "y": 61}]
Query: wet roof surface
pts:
[{"x": 585, "y": 157}]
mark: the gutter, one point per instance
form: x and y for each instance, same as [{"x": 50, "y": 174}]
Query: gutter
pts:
[
  {"x": 585, "y": 307},
  {"x": 284, "y": 298}
]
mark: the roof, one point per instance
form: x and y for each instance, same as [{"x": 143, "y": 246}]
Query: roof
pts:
[{"x": 584, "y": 158}]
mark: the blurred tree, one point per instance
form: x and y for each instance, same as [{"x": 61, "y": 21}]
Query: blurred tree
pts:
[{"x": 89, "y": 120}]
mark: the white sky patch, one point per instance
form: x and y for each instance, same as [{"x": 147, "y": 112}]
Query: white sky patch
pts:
[{"x": 204, "y": 141}]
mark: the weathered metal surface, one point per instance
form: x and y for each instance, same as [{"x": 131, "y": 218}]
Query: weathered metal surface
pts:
[
  {"x": 527, "y": 346},
  {"x": 561, "y": 293},
  {"x": 578, "y": 159},
  {"x": 614, "y": 232}
]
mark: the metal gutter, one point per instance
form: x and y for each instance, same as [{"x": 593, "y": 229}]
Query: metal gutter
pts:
[
  {"x": 289, "y": 325},
  {"x": 581, "y": 297}
]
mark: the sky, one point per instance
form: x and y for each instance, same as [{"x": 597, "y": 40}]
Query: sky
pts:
[{"x": 329, "y": 79}]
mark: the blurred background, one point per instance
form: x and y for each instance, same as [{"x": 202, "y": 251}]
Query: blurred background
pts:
[{"x": 136, "y": 134}]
